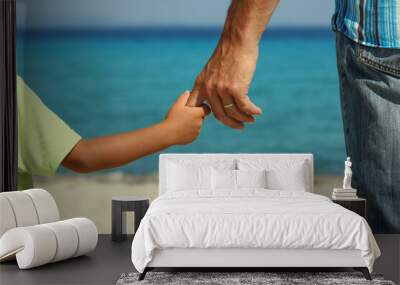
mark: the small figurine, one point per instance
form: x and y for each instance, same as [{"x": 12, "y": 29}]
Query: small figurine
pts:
[
  {"x": 347, "y": 174},
  {"x": 347, "y": 192}
]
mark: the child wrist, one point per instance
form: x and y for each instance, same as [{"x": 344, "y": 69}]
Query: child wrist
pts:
[{"x": 168, "y": 132}]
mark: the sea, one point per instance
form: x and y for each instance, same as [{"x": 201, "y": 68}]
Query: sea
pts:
[{"x": 103, "y": 82}]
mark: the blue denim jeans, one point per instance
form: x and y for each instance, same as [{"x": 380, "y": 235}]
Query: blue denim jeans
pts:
[{"x": 370, "y": 101}]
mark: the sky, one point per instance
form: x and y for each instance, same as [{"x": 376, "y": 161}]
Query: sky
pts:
[{"x": 139, "y": 13}]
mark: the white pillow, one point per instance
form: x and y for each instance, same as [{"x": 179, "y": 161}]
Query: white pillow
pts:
[
  {"x": 281, "y": 174},
  {"x": 251, "y": 178},
  {"x": 292, "y": 180},
  {"x": 223, "y": 179},
  {"x": 188, "y": 177},
  {"x": 226, "y": 179}
]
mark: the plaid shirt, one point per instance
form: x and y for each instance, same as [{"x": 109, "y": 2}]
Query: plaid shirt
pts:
[{"x": 369, "y": 22}]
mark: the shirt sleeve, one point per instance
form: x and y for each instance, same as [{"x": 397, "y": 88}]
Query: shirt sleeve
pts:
[{"x": 43, "y": 138}]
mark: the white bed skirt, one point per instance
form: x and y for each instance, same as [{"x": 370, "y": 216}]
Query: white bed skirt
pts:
[{"x": 190, "y": 257}]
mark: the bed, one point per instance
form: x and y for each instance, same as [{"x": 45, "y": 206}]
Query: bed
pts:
[{"x": 247, "y": 211}]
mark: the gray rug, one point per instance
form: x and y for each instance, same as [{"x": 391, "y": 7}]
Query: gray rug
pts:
[{"x": 269, "y": 278}]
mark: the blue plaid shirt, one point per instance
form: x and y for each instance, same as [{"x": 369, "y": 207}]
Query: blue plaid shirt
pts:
[{"x": 369, "y": 22}]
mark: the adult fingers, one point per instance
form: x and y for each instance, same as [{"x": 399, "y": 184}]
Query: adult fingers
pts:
[
  {"x": 195, "y": 99},
  {"x": 245, "y": 105},
  {"x": 219, "y": 113},
  {"x": 232, "y": 111}
]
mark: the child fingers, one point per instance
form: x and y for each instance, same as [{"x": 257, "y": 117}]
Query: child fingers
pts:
[
  {"x": 183, "y": 98},
  {"x": 204, "y": 110}
]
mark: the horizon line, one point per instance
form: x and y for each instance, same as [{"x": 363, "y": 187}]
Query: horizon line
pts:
[{"x": 162, "y": 28}]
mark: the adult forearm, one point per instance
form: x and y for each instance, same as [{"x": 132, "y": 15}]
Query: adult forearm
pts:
[
  {"x": 225, "y": 79},
  {"x": 116, "y": 150},
  {"x": 246, "y": 22}
]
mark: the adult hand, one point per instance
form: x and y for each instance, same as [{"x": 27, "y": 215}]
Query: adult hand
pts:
[
  {"x": 224, "y": 84},
  {"x": 224, "y": 81}
]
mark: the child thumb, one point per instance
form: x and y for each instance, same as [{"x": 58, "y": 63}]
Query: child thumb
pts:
[{"x": 183, "y": 98}]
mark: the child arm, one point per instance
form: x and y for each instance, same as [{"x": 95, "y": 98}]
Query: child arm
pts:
[{"x": 181, "y": 126}]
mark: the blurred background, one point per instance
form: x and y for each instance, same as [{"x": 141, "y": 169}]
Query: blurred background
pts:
[{"x": 107, "y": 66}]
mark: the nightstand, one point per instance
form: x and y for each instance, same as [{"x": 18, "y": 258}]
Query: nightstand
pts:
[
  {"x": 358, "y": 206},
  {"x": 121, "y": 205}
]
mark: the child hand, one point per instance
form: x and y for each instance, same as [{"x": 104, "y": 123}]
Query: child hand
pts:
[{"x": 185, "y": 122}]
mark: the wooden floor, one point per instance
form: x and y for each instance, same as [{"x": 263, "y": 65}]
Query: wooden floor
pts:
[
  {"x": 110, "y": 260},
  {"x": 102, "y": 266},
  {"x": 389, "y": 262}
]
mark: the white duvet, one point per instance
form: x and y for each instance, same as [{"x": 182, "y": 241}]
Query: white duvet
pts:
[{"x": 250, "y": 219}]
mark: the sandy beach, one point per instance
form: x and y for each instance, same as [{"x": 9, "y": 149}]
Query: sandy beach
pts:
[{"x": 90, "y": 195}]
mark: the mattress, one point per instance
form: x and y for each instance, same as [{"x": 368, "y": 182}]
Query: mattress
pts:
[{"x": 250, "y": 219}]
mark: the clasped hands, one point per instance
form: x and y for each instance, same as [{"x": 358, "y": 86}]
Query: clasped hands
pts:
[{"x": 223, "y": 84}]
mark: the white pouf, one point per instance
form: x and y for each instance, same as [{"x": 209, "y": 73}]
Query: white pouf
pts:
[{"x": 31, "y": 233}]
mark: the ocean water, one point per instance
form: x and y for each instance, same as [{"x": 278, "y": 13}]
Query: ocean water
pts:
[{"x": 105, "y": 82}]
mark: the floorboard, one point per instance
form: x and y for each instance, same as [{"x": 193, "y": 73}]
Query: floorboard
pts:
[{"x": 110, "y": 260}]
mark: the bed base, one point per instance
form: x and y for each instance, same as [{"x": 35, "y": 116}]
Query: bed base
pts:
[
  {"x": 250, "y": 259},
  {"x": 363, "y": 270}
]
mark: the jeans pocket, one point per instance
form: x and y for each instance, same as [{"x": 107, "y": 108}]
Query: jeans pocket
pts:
[{"x": 381, "y": 59}]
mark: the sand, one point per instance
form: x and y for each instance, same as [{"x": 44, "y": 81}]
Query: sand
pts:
[{"x": 90, "y": 195}]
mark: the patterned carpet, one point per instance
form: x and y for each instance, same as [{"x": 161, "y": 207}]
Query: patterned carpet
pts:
[{"x": 243, "y": 278}]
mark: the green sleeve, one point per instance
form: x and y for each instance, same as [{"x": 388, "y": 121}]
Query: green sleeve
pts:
[{"x": 43, "y": 138}]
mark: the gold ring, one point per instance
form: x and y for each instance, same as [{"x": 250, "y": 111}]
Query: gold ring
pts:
[{"x": 228, "y": 106}]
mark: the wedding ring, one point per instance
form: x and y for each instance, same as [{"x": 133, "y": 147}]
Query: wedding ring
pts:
[{"x": 228, "y": 106}]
